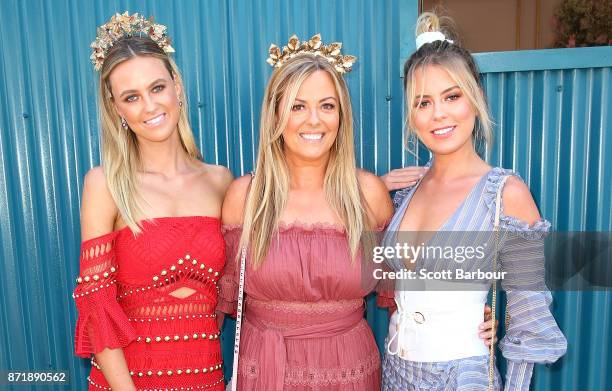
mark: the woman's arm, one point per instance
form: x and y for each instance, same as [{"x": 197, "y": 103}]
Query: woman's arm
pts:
[
  {"x": 533, "y": 335},
  {"x": 232, "y": 214},
  {"x": 376, "y": 194},
  {"x": 98, "y": 215}
]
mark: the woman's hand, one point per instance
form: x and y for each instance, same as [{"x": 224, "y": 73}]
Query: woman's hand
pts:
[
  {"x": 486, "y": 328},
  {"x": 403, "y": 177}
]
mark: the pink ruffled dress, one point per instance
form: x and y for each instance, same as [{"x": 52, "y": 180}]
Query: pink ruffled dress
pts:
[{"x": 303, "y": 322}]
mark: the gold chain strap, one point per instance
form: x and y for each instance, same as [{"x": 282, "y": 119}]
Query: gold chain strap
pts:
[
  {"x": 493, "y": 315},
  {"x": 494, "y": 287}
]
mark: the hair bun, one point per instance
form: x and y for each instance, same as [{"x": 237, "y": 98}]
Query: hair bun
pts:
[{"x": 427, "y": 22}]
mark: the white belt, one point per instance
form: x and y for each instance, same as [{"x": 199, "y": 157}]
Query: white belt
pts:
[{"x": 434, "y": 334}]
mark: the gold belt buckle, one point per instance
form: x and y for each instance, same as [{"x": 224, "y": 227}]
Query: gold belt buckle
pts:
[{"x": 419, "y": 317}]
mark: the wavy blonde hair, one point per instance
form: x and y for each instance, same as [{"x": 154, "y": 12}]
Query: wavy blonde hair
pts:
[
  {"x": 460, "y": 66},
  {"x": 120, "y": 154},
  {"x": 269, "y": 187}
]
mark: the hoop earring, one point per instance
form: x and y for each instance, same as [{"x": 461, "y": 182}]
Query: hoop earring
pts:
[{"x": 124, "y": 124}]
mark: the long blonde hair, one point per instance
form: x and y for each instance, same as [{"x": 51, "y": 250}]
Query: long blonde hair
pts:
[
  {"x": 269, "y": 188},
  {"x": 120, "y": 154},
  {"x": 460, "y": 66}
]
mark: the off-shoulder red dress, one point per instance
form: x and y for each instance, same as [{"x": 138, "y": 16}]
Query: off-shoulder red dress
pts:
[{"x": 124, "y": 299}]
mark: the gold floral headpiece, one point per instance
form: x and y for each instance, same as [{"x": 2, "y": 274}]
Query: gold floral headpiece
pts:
[
  {"x": 125, "y": 25},
  {"x": 314, "y": 46}
]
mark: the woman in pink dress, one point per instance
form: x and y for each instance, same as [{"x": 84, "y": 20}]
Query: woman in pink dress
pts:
[{"x": 304, "y": 212}]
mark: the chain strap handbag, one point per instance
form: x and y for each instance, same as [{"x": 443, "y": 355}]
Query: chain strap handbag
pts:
[
  {"x": 233, "y": 384},
  {"x": 494, "y": 285}
]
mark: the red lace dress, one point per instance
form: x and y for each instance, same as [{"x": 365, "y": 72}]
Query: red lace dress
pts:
[{"x": 125, "y": 300}]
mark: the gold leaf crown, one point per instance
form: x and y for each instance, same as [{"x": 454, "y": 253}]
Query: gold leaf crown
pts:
[
  {"x": 314, "y": 46},
  {"x": 125, "y": 25}
]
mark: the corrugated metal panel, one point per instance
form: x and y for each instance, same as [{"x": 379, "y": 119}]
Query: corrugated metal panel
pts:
[
  {"x": 49, "y": 139},
  {"x": 553, "y": 127},
  {"x": 545, "y": 60}
]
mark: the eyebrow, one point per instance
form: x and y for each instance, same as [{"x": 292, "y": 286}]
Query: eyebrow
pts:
[
  {"x": 443, "y": 92},
  {"x": 320, "y": 100},
  {"x": 133, "y": 91}
]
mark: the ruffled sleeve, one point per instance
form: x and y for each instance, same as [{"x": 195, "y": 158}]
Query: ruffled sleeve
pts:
[
  {"x": 385, "y": 296},
  {"x": 101, "y": 322},
  {"x": 385, "y": 288},
  {"x": 228, "y": 284},
  {"x": 533, "y": 335}
]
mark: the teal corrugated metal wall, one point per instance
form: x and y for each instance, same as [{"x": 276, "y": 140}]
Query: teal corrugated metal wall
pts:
[{"x": 553, "y": 127}]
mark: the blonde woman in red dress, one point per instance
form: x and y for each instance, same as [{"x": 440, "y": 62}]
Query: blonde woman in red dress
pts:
[{"x": 152, "y": 250}]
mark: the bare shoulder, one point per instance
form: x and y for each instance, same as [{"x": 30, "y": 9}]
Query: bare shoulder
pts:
[
  {"x": 235, "y": 198},
  {"x": 220, "y": 176},
  {"x": 518, "y": 201},
  {"x": 376, "y": 195},
  {"x": 98, "y": 209}
]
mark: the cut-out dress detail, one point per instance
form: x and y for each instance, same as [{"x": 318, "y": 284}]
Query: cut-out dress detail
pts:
[{"x": 124, "y": 300}]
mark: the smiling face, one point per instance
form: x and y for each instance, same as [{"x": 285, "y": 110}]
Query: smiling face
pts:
[
  {"x": 314, "y": 119},
  {"x": 146, "y": 96},
  {"x": 443, "y": 116}
]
